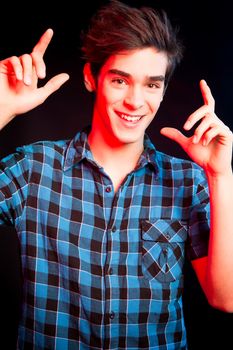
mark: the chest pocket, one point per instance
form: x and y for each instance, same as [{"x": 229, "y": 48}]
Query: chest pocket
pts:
[{"x": 163, "y": 243}]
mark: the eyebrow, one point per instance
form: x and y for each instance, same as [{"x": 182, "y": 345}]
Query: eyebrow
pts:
[{"x": 127, "y": 75}]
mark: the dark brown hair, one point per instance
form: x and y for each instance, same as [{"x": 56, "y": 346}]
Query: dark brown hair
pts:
[{"x": 118, "y": 27}]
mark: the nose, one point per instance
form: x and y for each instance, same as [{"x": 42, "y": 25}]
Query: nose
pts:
[{"x": 134, "y": 98}]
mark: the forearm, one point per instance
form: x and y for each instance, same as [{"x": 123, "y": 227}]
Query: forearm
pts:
[
  {"x": 5, "y": 117},
  {"x": 219, "y": 277}
]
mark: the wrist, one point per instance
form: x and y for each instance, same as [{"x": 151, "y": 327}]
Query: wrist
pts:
[
  {"x": 218, "y": 178},
  {"x": 5, "y": 118}
]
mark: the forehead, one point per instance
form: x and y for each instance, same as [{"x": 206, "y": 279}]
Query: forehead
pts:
[{"x": 140, "y": 62}]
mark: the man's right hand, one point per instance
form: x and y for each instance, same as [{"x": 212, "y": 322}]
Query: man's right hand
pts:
[{"x": 19, "y": 92}]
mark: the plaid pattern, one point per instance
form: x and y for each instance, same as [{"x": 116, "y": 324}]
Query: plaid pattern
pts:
[{"x": 102, "y": 271}]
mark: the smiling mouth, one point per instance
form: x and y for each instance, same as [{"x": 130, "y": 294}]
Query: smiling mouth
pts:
[{"x": 130, "y": 118}]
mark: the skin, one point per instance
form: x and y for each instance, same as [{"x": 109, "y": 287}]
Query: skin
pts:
[
  {"x": 19, "y": 78},
  {"x": 124, "y": 91},
  {"x": 211, "y": 148}
]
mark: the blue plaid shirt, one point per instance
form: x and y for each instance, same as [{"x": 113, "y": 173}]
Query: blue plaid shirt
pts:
[{"x": 102, "y": 270}]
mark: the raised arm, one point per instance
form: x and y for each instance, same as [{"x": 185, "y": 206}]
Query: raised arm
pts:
[
  {"x": 211, "y": 148},
  {"x": 19, "y": 91}
]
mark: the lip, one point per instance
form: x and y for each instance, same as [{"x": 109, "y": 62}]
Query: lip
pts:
[{"x": 130, "y": 119}]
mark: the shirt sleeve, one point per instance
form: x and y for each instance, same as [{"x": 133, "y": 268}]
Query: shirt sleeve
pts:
[
  {"x": 199, "y": 222},
  {"x": 13, "y": 186}
]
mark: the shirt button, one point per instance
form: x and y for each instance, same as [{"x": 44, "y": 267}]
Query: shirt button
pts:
[
  {"x": 110, "y": 271},
  {"x": 168, "y": 236},
  {"x": 114, "y": 229},
  {"x": 108, "y": 189},
  {"x": 112, "y": 315},
  {"x": 165, "y": 251}
]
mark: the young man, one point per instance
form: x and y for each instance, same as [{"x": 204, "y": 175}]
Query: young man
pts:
[{"x": 105, "y": 220}]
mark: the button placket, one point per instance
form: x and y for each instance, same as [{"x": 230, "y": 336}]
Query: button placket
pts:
[
  {"x": 112, "y": 315},
  {"x": 108, "y": 189}
]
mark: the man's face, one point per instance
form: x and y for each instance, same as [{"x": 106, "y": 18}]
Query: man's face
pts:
[{"x": 129, "y": 91}]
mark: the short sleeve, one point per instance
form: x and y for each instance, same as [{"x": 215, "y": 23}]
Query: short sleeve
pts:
[
  {"x": 13, "y": 186},
  {"x": 199, "y": 222}
]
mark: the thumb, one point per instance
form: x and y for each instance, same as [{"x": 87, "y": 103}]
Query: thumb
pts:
[
  {"x": 174, "y": 135},
  {"x": 52, "y": 85}
]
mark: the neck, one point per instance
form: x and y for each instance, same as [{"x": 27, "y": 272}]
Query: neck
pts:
[{"x": 108, "y": 153}]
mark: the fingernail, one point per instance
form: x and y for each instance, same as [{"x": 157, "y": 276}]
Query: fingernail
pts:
[
  {"x": 187, "y": 124},
  {"x": 19, "y": 75},
  {"x": 27, "y": 80},
  {"x": 42, "y": 73},
  {"x": 194, "y": 139}
]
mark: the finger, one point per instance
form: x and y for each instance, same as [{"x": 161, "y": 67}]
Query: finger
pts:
[
  {"x": 206, "y": 94},
  {"x": 210, "y": 135},
  {"x": 174, "y": 135},
  {"x": 52, "y": 85},
  {"x": 26, "y": 62},
  {"x": 38, "y": 53},
  {"x": 43, "y": 43},
  {"x": 207, "y": 123},
  {"x": 216, "y": 131},
  {"x": 196, "y": 116},
  {"x": 12, "y": 65},
  {"x": 39, "y": 65}
]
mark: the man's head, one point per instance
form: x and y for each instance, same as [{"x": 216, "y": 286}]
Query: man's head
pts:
[
  {"x": 118, "y": 27},
  {"x": 131, "y": 54}
]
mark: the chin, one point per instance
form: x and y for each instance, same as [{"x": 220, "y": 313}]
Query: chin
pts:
[
  {"x": 123, "y": 136},
  {"x": 129, "y": 140}
]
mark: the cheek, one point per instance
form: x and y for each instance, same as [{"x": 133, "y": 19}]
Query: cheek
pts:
[
  {"x": 112, "y": 95},
  {"x": 107, "y": 100},
  {"x": 101, "y": 100},
  {"x": 154, "y": 103}
]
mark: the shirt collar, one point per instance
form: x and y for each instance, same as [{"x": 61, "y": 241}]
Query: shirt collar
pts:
[
  {"x": 78, "y": 149},
  {"x": 148, "y": 156}
]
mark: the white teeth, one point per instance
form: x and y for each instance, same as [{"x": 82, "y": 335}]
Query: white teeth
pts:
[{"x": 130, "y": 118}]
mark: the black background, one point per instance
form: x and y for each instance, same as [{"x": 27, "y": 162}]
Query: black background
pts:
[{"x": 207, "y": 33}]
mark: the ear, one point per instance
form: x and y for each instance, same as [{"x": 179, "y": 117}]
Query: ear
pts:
[{"x": 88, "y": 77}]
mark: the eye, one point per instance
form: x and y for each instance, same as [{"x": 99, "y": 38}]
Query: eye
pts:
[
  {"x": 118, "y": 81},
  {"x": 154, "y": 85}
]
